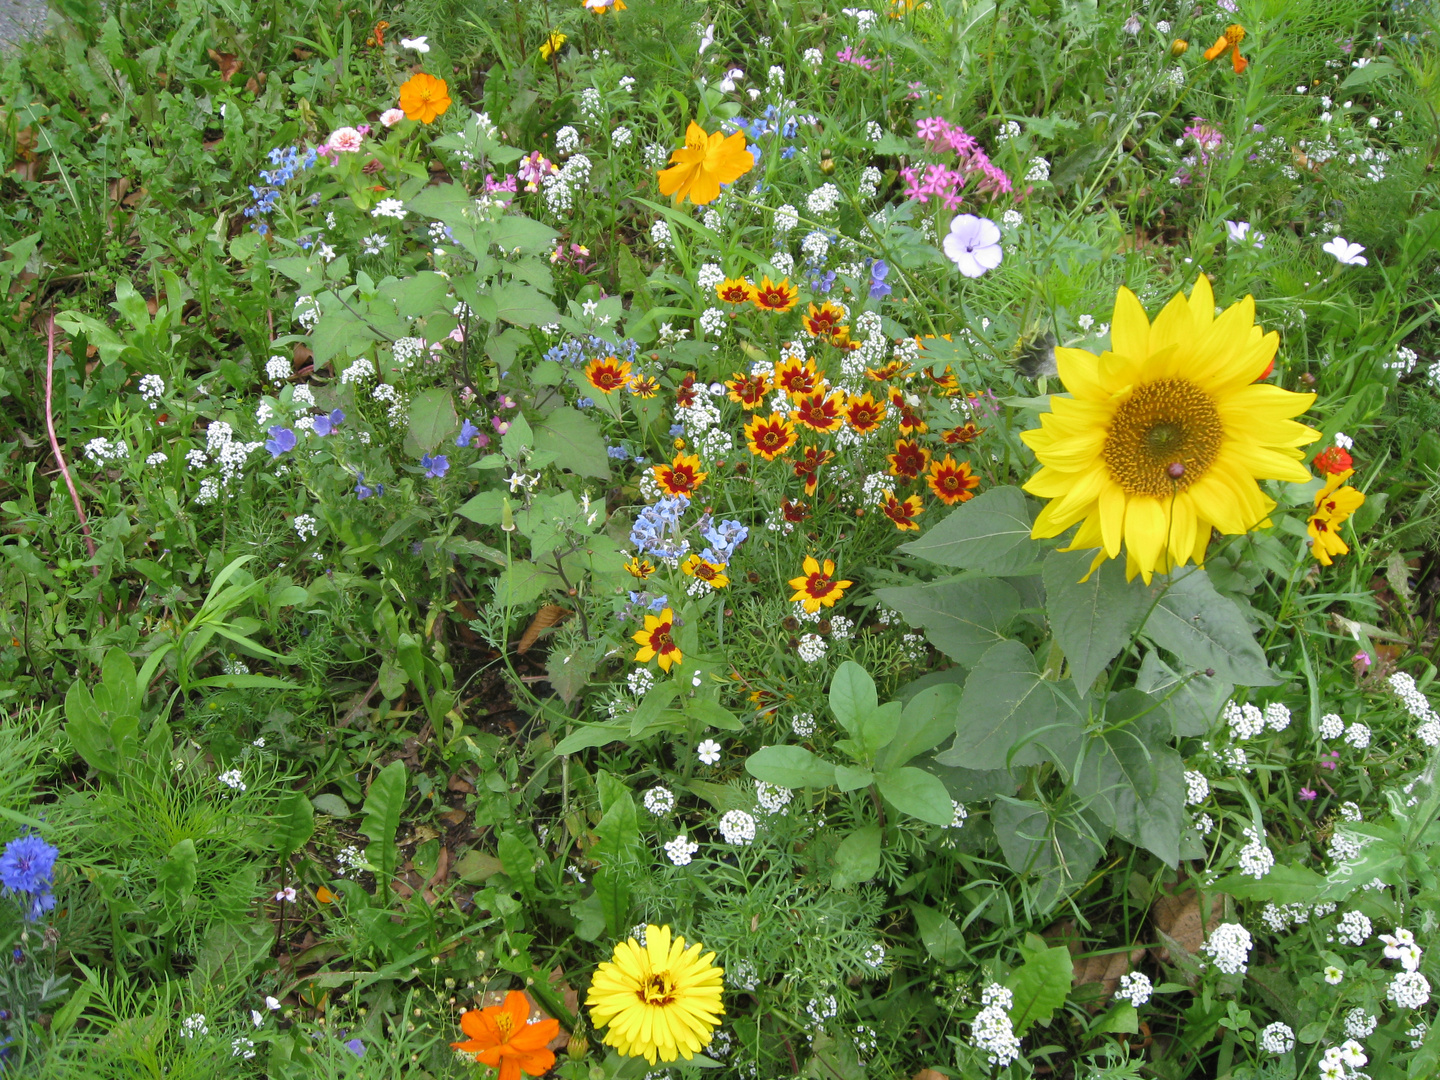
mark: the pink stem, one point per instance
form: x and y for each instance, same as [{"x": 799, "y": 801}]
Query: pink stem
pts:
[{"x": 55, "y": 443}]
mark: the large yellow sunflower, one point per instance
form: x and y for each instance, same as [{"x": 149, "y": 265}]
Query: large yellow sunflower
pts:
[
  {"x": 1163, "y": 438},
  {"x": 660, "y": 1000}
]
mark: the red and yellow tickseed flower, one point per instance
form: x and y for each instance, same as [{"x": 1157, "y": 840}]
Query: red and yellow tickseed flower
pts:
[
  {"x": 748, "y": 391},
  {"x": 552, "y": 44},
  {"x": 704, "y": 163},
  {"x": 824, "y": 321},
  {"x": 946, "y": 383},
  {"x": 639, "y": 568},
  {"x": 681, "y": 477},
  {"x": 809, "y": 465},
  {"x": 644, "y": 386},
  {"x": 1230, "y": 42},
  {"x": 819, "y": 411},
  {"x": 902, "y": 512},
  {"x": 655, "y": 641},
  {"x": 895, "y": 369},
  {"x": 864, "y": 413},
  {"x": 502, "y": 1037},
  {"x": 909, "y": 460},
  {"x": 952, "y": 481},
  {"x": 775, "y": 296},
  {"x": 798, "y": 377},
  {"x": 794, "y": 512},
  {"x": 770, "y": 436},
  {"x": 705, "y": 570},
  {"x": 735, "y": 291},
  {"x": 962, "y": 435},
  {"x": 608, "y": 373},
  {"x": 685, "y": 392},
  {"x": 1333, "y": 504},
  {"x": 817, "y": 586},
  {"x": 424, "y": 97},
  {"x": 911, "y": 422}
]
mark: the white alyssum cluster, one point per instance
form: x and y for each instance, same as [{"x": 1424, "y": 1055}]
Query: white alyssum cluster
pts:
[
  {"x": 194, "y": 1026},
  {"x": 803, "y": 724},
  {"x": 823, "y": 200},
  {"x": 1197, "y": 787},
  {"x": 659, "y": 800},
  {"x": 958, "y": 816},
  {"x": 1245, "y": 721},
  {"x": 737, "y": 827},
  {"x": 306, "y": 526},
  {"x": 152, "y": 388},
  {"x": 874, "y": 954},
  {"x": 815, "y": 246},
  {"x": 1229, "y": 947},
  {"x": 1256, "y": 860},
  {"x": 812, "y": 648},
  {"x": 713, "y": 322},
  {"x": 101, "y": 450},
  {"x": 660, "y": 235},
  {"x": 1277, "y": 716},
  {"x": 772, "y": 797},
  {"x": 1135, "y": 988},
  {"x": 991, "y": 1031},
  {"x": 1358, "y": 735},
  {"x": 786, "y": 218},
  {"x": 1331, "y": 726},
  {"x": 358, "y": 370},
  {"x": 1353, "y": 928},
  {"x": 681, "y": 850},
  {"x": 348, "y": 861},
  {"x": 233, "y": 779},
  {"x": 1277, "y": 1038},
  {"x": 1418, "y": 706},
  {"x": 1359, "y": 1024},
  {"x": 708, "y": 276}
]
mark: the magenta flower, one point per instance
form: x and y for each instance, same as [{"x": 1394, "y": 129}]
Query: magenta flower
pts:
[
  {"x": 1330, "y": 761},
  {"x": 1307, "y": 794}
]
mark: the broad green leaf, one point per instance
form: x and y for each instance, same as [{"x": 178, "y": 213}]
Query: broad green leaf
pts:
[
  {"x": 528, "y": 236},
  {"x": 1122, "y": 1019},
  {"x": 1377, "y": 68},
  {"x": 1092, "y": 621},
  {"x": 1284, "y": 884},
  {"x": 927, "y": 719},
  {"x": 523, "y": 305},
  {"x": 711, "y": 714},
  {"x": 569, "y": 672},
  {"x": 990, "y": 533},
  {"x": 576, "y": 442},
  {"x": 521, "y": 583},
  {"x": 229, "y": 952},
  {"x": 1206, "y": 630},
  {"x": 384, "y": 803},
  {"x": 338, "y": 333},
  {"x": 519, "y": 439},
  {"x": 518, "y": 859},
  {"x": 942, "y": 938},
  {"x": 962, "y": 618},
  {"x": 1004, "y": 711},
  {"x": 878, "y": 726},
  {"x": 978, "y": 785},
  {"x": 432, "y": 421},
  {"x": 293, "y": 824},
  {"x": 850, "y": 778},
  {"x": 857, "y": 858},
  {"x": 1059, "y": 852},
  {"x": 419, "y": 295},
  {"x": 588, "y": 735},
  {"x": 1040, "y": 984},
  {"x": 178, "y": 873},
  {"x": 1193, "y": 704},
  {"x": 333, "y": 805},
  {"x": 917, "y": 793},
  {"x": 852, "y": 695},
  {"x": 791, "y": 767}
]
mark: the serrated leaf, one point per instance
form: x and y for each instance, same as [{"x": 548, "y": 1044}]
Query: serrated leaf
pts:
[
  {"x": 1193, "y": 704},
  {"x": 1060, "y": 852},
  {"x": 523, "y": 305},
  {"x": 791, "y": 767},
  {"x": 576, "y": 442},
  {"x": 990, "y": 534},
  {"x": 1092, "y": 620},
  {"x": 1206, "y": 630},
  {"x": 962, "y": 618},
  {"x": 432, "y": 421},
  {"x": 1040, "y": 984}
]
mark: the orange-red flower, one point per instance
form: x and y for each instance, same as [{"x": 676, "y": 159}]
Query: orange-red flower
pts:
[
  {"x": 1333, "y": 461},
  {"x": 501, "y": 1038},
  {"x": 798, "y": 377},
  {"x": 704, "y": 163},
  {"x": 655, "y": 641},
  {"x": 1230, "y": 42},
  {"x": 770, "y": 436},
  {"x": 809, "y": 465},
  {"x": 818, "y": 411},
  {"x": 681, "y": 477},
  {"x": 909, "y": 459},
  {"x": 825, "y": 321},
  {"x": 424, "y": 97},
  {"x": 608, "y": 373},
  {"x": 735, "y": 291},
  {"x": 864, "y": 413},
  {"x": 748, "y": 391},
  {"x": 775, "y": 296},
  {"x": 818, "y": 586},
  {"x": 902, "y": 512},
  {"x": 961, "y": 435},
  {"x": 794, "y": 512},
  {"x": 952, "y": 481}
]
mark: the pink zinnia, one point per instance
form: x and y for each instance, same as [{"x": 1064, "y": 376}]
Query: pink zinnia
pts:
[
  {"x": 391, "y": 117},
  {"x": 345, "y": 140}
]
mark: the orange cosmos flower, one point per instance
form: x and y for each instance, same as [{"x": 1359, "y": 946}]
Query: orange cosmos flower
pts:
[
  {"x": 748, "y": 391},
  {"x": 681, "y": 477},
  {"x": 909, "y": 459},
  {"x": 775, "y": 296},
  {"x": 902, "y": 512},
  {"x": 644, "y": 386},
  {"x": 818, "y": 586},
  {"x": 962, "y": 435},
  {"x": 798, "y": 377},
  {"x": 501, "y": 1038},
  {"x": 655, "y": 641},
  {"x": 703, "y": 164},
  {"x": 424, "y": 97},
  {"x": 952, "y": 481},
  {"x": 809, "y": 465},
  {"x": 706, "y": 570},
  {"x": 735, "y": 291},
  {"x": 1230, "y": 42},
  {"x": 818, "y": 411},
  {"x": 864, "y": 413},
  {"x": 771, "y": 436},
  {"x": 608, "y": 374},
  {"x": 824, "y": 321}
]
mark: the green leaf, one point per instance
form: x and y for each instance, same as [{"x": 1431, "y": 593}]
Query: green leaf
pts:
[
  {"x": 852, "y": 695},
  {"x": 990, "y": 534},
  {"x": 1092, "y": 621},
  {"x": 1041, "y": 983},
  {"x": 1377, "y": 68},
  {"x": 711, "y": 714},
  {"x": 588, "y": 735},
  {"x": 518, "y": 860},
  {"x": 857, "y": 858},
  {"x": 521, "y": 583},
  {"x": 962, "y": 617},
  {"x": 1004, "y": 712},
  {"x": 569, "y": 672},
  {"x": 432, "y": 421},
  {"x": 228, "y": 954},
  {"x": 942, "y": 938},
  {"x": 791, "y": 767},
  {"x": 1059, "y": 851},
  {"x": 418, "y": 296},
  {"x": 178, "y": 873},
  {"x": 384, "y": 803},
  {"x": 65, "y": 1016},
  {"x": 850, "y": 778},
  {"x": 617, "y": 850},
  {"x": 1284, "y": 884},
  {"x": 917, "y": 793},
  {"x": 519, "y": 439},
  {"x": 1207, "y": 630},
  {"x": 523, "y": 305},
  {"x": 576, "y": 442},
  {"x": 333, "y": 805},
  {"x": 928, "y": 718},
  {"x": 530, "y": 237},
  {"x": 293, "y": 824},
  {"x": 1122, "y": 1019},
  {"x": 878, "y": 727},
  {"x": 1193, "y": 704}
]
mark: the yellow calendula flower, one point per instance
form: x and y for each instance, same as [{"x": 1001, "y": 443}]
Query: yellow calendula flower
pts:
[
  {"x": 1335, "y": 502},
  {"x": 1163, "y": 439},
  {"x": 660, "y": 1000},
  {"x": 551, "y": 45}
]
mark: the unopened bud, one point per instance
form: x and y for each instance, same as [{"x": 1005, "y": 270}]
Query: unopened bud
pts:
[
  {"x": 577, "y": 1047},
  {"x": 1178, "y": 47}
]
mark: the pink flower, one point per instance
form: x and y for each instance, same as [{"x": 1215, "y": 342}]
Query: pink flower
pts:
[
  {"x": 848, "y": 55},
  {"x": 1307, "y": 794},
  {"x": 345, "y": 140},
  {"x": 391, "y": 117},
  {"x": 500, "y": 426},
  {"x": 1362, "y": 658},
  {"x": 1330, "y": 761},
  {"x": 286, "y": 895}
]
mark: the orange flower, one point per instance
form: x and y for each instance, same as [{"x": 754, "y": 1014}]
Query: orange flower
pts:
[
  {"x": 608, "y": 374},
  {"x": 644, "y": 386},
  {"x": 324, "y": 895},
  {"x": 771, "y": 436},
  {"x": 952, "y": 481},
  {"x": 818, "y": 411},
  {"x": 748, "y": 391},
  {"x": 909, "y": 459},
  {"x": 501, "y": 1038},
  {"x": 902, "y": 512},
  {"x": 824, "y": 321},
  {"x": 424, "y": 97},
  {"x": 703, "y": 164},
  {"x": 655, "y": 641},
  {"x": 961, "y": 435},
  {"x": 798, "y": 377},
  {"x": 1230, "y": 42},
  {"x": 735, "y": 291},
  {"x": 818, "y": 586},
  {"x": 808, "y": 467},
  {"x": 775, "y": 296},
  {"x": 864, "y": 413},
  {"x": 681, "y": 477},
  {"x": 794, "y": 512},
  {"x": 705, "y": 570}
]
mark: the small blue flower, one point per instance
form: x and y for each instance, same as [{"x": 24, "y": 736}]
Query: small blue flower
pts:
[
  {"x": 435, "y": 467},
  {"x": 324, "y": 425},
  {"x": 585, "y": 402},
  {"x": 787, "y": 153},
  {"x": 879, "y": 287},
  {"x": 363, "y": 490},
  {"x": 356, "y": 1047},
  {"x": 468, "y": 431},
  {"x": 676, "y": 430},
  {"x": 281, "y": 441},
  {"x": 616, "y": 453}
]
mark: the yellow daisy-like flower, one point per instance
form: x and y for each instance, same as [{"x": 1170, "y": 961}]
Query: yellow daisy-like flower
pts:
[
  {"x": 551, "y": 45},
  {"x": 704, "y": 163},
  {"x": 1333, "y": 504},
  {"x": 1164, "y": 438},
  {"x": 660, "y": 1000}
]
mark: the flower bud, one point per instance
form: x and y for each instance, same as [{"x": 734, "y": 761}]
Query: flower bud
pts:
[
  {"x": 577, "y": 1047},
  {"x": 1178, "y": 47}
]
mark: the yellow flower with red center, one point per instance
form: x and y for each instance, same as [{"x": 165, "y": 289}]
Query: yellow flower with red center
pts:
[
  {"x": 770, "y": 436},
  {"x": 797, "y": 376},
  {"x": 817, "y": 586},
  {"x": 818, "y": 411},
  {"x": 640, "y": 568},
  {"x": 601, "y": 7},
  {"x": 825, "y": 321},
  {"x": 1230, "y": 42},
  {"x": 656, "y": 642},
  {"x": 909, "y": 460},
  {"x": 748, "y": 391},
  {"x": 895, "y": 369},
  {"x": 735, "y": 291},
  {"x": 681, "y": 477},
  {"x": 952, "y": 481},
  {"x": 961, "y": 435},
  {"x": 864, "y": 413},
  {"x": 902, "y": 512},
  {"x": 644, "y": 386},
  {"x": 608, "y": 373},
  {"x": 424, "y": 97},
  {"x": 685, "y": 393},
  {"x": 704, "y": 163},
  {"x": 809, "y": 465},
  {"x": 1333, "y": 504},
  {"x": 697, "y": 567},
  {"x": 774, "y": 296}
]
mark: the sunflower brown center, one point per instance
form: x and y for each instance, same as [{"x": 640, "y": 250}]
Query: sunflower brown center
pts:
[
  {"x": 1163, "y": 438},
  {"x": 657, "y": 989}
]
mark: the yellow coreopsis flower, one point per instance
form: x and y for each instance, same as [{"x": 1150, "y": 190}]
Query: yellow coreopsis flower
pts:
[
  {"x": 704, "y": 163},
  {"x": 1163, "y": 438},
  {"x": 1335, "y": 502}
]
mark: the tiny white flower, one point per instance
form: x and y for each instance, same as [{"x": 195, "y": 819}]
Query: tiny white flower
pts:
[
  {"x": 418, "y": 44},
  {"x": 708, "y": 752}
]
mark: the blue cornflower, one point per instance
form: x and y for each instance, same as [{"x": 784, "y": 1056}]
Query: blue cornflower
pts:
[
  {"x": 435, "y": 467},
  {"x": 324, "y": 425},
  {"x": 27, "y": 870},
  {"x": 281, "y": 441},
  {"x": 468, "y": 431}
]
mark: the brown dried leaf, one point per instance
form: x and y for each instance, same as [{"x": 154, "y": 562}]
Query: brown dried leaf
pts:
[
  {"x": 460, "y": 784},
  {"x": 229, "y": 63},
  {"x": 548, "y": 616},
  {"x": 929, "y": 1074},
  {"x": 1178, "y": 918}
]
